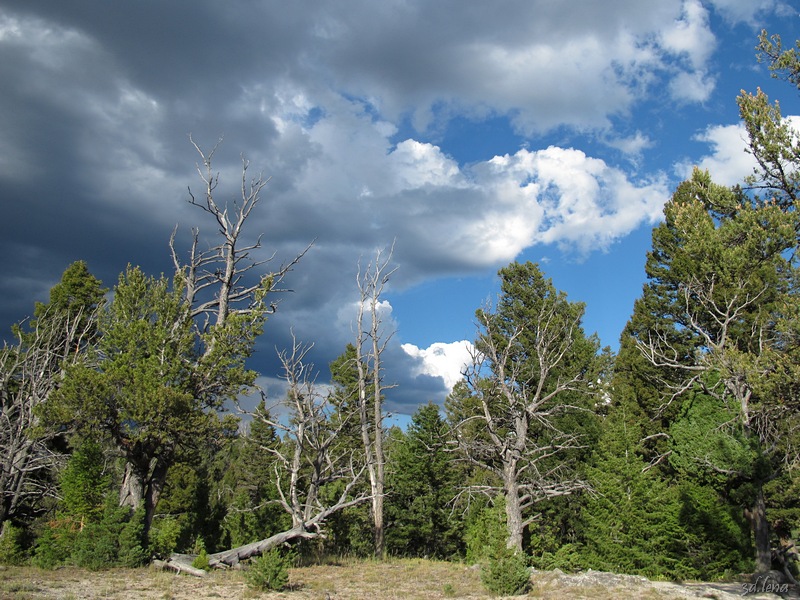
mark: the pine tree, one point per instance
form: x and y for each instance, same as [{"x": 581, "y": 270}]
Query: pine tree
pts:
[
  {"x": 632, "y": 521},
  {"x": 421, "y": 486}
]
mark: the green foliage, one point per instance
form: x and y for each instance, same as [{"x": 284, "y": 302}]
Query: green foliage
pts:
[
  {"x": 506, "y": 572},
  {"x": 76, "y": 292},
  {"x": 568, "y": 558},
  {"x": 632, "y": 521},
  {"x": 717, "y": 534},
  {"x": 85, "y": 482},
  {"x": 485, "y": 530},
  {"x": 57, "y": 337},
  {"x": 133, "y": 550},
  {"x": 420, "y": 484},
  {"x": 201, "y": 560},
  {"x": 710, "y": 446},
  {"x": 115, "y": 539},
  {"x": 270, "y": 571},
  {"x": 164, "y": 535},
  {"x": 12, "y": 544},
  {"x": 55, "y": 543},
  {"x": 148, "y": 394}
]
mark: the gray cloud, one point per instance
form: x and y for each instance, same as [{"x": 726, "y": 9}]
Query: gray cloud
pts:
[{"x": 97, "y": 103}]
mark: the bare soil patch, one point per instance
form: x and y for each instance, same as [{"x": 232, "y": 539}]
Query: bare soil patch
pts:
[{"x": 353, "y": 580}]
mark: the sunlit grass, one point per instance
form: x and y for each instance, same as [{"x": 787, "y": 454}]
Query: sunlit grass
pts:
[{"x": 339, "y": 578}]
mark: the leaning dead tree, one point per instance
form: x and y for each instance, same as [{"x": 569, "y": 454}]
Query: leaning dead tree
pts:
[
  {"x": 371, "y": 341},
  {"x": 307, "y": 464}
]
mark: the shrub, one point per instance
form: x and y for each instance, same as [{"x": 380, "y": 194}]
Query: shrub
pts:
[
  {"x": 506, "y": 572},
  {"x": 201, "y": 560},
  {"x": 132, "y": 543},
  {"x": 11, "y": 545},
  {"x": 567, "y": 558},
  {"x": 96, "y": 547},
  {"x": 270, "y": 571},
  {"x": 164, "y": 536},
  {"x": 55, "y": 543},
  {"x": 485, "y": 530}
]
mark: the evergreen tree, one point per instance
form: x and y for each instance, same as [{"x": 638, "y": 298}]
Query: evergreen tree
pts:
[
  {"x": 421, "y": 485},
  {"x": 535, "y": 364},
  {"x": 147, "y": 395},
  {"x": 722, "y": 288}
]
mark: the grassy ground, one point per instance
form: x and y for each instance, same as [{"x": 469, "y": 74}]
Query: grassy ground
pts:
[{"x": 345, "y": 579}]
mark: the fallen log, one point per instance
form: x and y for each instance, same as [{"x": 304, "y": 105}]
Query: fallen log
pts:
[{"x": 182, "y": 563}]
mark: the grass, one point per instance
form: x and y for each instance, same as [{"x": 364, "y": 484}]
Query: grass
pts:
[{"x": 336, "y": 578}]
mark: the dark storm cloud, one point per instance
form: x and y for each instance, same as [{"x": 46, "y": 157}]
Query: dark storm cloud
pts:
[{"x": 98, "y": 99}]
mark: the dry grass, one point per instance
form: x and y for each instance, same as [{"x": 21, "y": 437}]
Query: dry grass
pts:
[{"x": 336, "y": 580}]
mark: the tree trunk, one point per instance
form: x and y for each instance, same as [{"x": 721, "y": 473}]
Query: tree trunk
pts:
[
  {"x": 135, "y": 492},
  {"x": 131, "y": 492},
  {"x": 758, "y": 521},
  {"x": 377, "y": 509},
  {"x": 154, "y": 487},
  {"x": 377, "y": 426},
  {"x": 231, "y": 558},
  {"x": 513, "y": 510}
]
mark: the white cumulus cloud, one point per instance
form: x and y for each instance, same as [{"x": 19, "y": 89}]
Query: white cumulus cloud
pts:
[{"x": 442, "y": 359}]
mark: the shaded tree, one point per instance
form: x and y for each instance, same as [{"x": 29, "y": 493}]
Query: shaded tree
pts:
[
  {"x": 31, "y": 369},
  {"x": 726, "y": 290}
]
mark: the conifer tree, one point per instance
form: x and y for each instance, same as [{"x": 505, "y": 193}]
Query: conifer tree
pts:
[
  {"x": 533, "y": 365},
  {"x": 421, "y": 485}
]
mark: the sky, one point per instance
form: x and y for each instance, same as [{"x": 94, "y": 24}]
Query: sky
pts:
[{"x": 466, "y": 134}]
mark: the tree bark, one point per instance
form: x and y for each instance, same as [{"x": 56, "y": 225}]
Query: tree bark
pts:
[
  {"x": 131, "y": 491},
  {"x": 758, "y": 521},
  {"x": 513, "y": 509},
  {"x": 231, "y": 558},
  {"x": 143, "y": 491}
]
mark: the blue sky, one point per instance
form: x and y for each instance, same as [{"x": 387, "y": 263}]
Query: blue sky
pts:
[{"x": 470, "y": 134}]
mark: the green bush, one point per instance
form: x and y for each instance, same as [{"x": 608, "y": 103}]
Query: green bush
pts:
[
  {"x": 164, "y": 536},
  {"x": 55, "y": 544},
  {"x": 133, "y": 550},
  {"x": 201, "y": 561},
  {"x": 95, "y": 547},
  {"x": 12, "y": 550},
  {"x": 567, "y": 558},
  {"x": 270, "y": 571},
  {"x": 485, "y": 530},
  {"x": 506, "y": 572}
]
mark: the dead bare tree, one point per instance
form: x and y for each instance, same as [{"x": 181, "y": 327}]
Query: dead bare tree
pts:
[
  {"x": 215, "y": 278},
  {"x": 306, "y": 463},
  {"x": 530, "y": 355},
  {"x": 371, "y": 341},
  {"x": 29, "y": 372}
]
